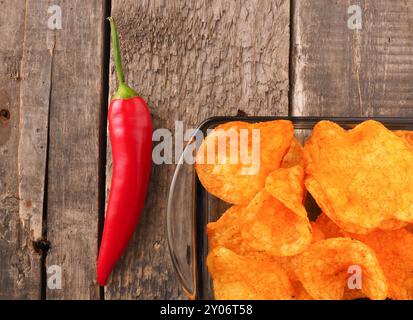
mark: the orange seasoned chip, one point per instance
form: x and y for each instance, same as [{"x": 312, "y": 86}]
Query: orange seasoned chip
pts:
[
  {"x": 226, "y": 231},
  {"x": 407, "y": 137},
  {"x": 318, "y": 234},
  {"x": 299, "y": 292},
  {"x": 273, "y": 228},
  {"x": 392, "y": 224},
  {"x": 409, "y": 227},
  {"x": 353, "y": 294},
  {"x": 294, "y": 156},
  {"x": 328, "y": 227},
  {"x": 394, "y": 252},
  {"x": 234, "y": 160},
  {"x": 361, "y": 178},
  {"x": 324, "y": 269},
  {"x": 276, "y": 221},
  {"x": 332, "y": 230},
  {"x": 272, "y": 224},
  {"x": 287, "y": 186},
  {"x": 241, "y": 278}
]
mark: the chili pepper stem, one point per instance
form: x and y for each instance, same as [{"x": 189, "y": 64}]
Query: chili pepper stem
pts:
[{"x": 124, "y": 91}]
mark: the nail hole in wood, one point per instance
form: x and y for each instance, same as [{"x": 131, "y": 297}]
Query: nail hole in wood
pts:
[{"x": 5, "y": 114}]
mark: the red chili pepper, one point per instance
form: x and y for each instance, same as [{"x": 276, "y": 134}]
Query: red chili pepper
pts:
[{"x": 130, "y": 130}]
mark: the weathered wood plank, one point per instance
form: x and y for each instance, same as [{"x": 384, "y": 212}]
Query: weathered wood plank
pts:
[
  {"x": 36, "y": 80},
  {"x": 339, "y": 71},
  {"x": 73, "y": 165},
  {"x": 191, "y": 60},
  {"x": 20, "y": 149}
]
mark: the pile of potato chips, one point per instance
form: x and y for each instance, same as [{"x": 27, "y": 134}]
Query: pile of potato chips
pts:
[{"x": 266, "y": 247}]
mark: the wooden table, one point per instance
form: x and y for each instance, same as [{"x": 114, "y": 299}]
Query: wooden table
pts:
[{"x": 190, "y": 60}]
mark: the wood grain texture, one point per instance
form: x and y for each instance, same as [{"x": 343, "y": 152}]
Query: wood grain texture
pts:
[
  {"x": 191, "y": 60},
  {"x": 343, "y": 72},
  {"x": 21, "y": 149},
  {"x": 36, "y": 82},
  {"x": 73, "y": 164}
]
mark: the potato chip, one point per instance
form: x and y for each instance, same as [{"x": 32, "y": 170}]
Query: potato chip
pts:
[
  {"x": 287, "y": 186},
  {"x": 233, "y": 167},
  {"x": 267, "y": 226},
  {"x": 299, "y": 292},
  {"x": 332, "y": 230},
  {"x": 324, "y": 228},
  {"x": 276, "y": 221},
  {"x": 392, "y": 249},
  {"x": 353, "y": 294},
  {"x": 361, "y": 178},
  {"x": 240, "y": 278},
  {"x": 273, "y": 228},
  {"x": 323, "y": 269},
  {"x": 294, "y": 156},
  {"x": 407, "y": 137},
  {"x": 392, "y": 224},
  {"x": 394, "y": 252},
  {"x": 226, "y": 231},
  {"x": 409, "y": 227},
  {"x": 318, "y": 234},
  {"x": 328, "y": 227}
]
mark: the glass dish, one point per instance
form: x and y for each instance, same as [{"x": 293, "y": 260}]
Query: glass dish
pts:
[{"x": 191, "y": 208}]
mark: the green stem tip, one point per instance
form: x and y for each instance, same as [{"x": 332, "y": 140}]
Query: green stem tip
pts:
[{"x": 124, "y": 91}]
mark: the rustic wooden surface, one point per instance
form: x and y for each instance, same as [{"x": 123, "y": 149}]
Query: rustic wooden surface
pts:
[
  {"x": 190, "y": 60},
  {"x": 343, "y": 72},
  {"x": 73, "y": 163},
  {"x": 51, "y": 82},
  {"x": 20, "y": 265}
]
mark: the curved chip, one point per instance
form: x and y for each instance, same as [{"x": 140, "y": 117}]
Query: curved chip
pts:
[
  {"x": 353, "y": 294},
  {"x": 226, "y": 231},
  {"x": 407, "y": 137},
  {"x": 287, "y": 186},
  {"x": 234, "y": 160},
  {"x": 361, "y": 178},
  {"x": 240, "y": 278},
  {"x": 332, "y": 230},
  {"x": 392, "y": 224},
  {"x": 394, "y": 253},
  {"x": 273, "y": 228},
  {"x": 318, "y": 234},
  {"x": 323, "y": 269},
  {"x": 272, "y": 224},
  {"x": 294, "y": 156},
  {"x": 409, "y": 227},
  {"x": 276, "y": 221},
  {"x": 299, "y": 292},
  {"x": 328, "y": 227}
]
